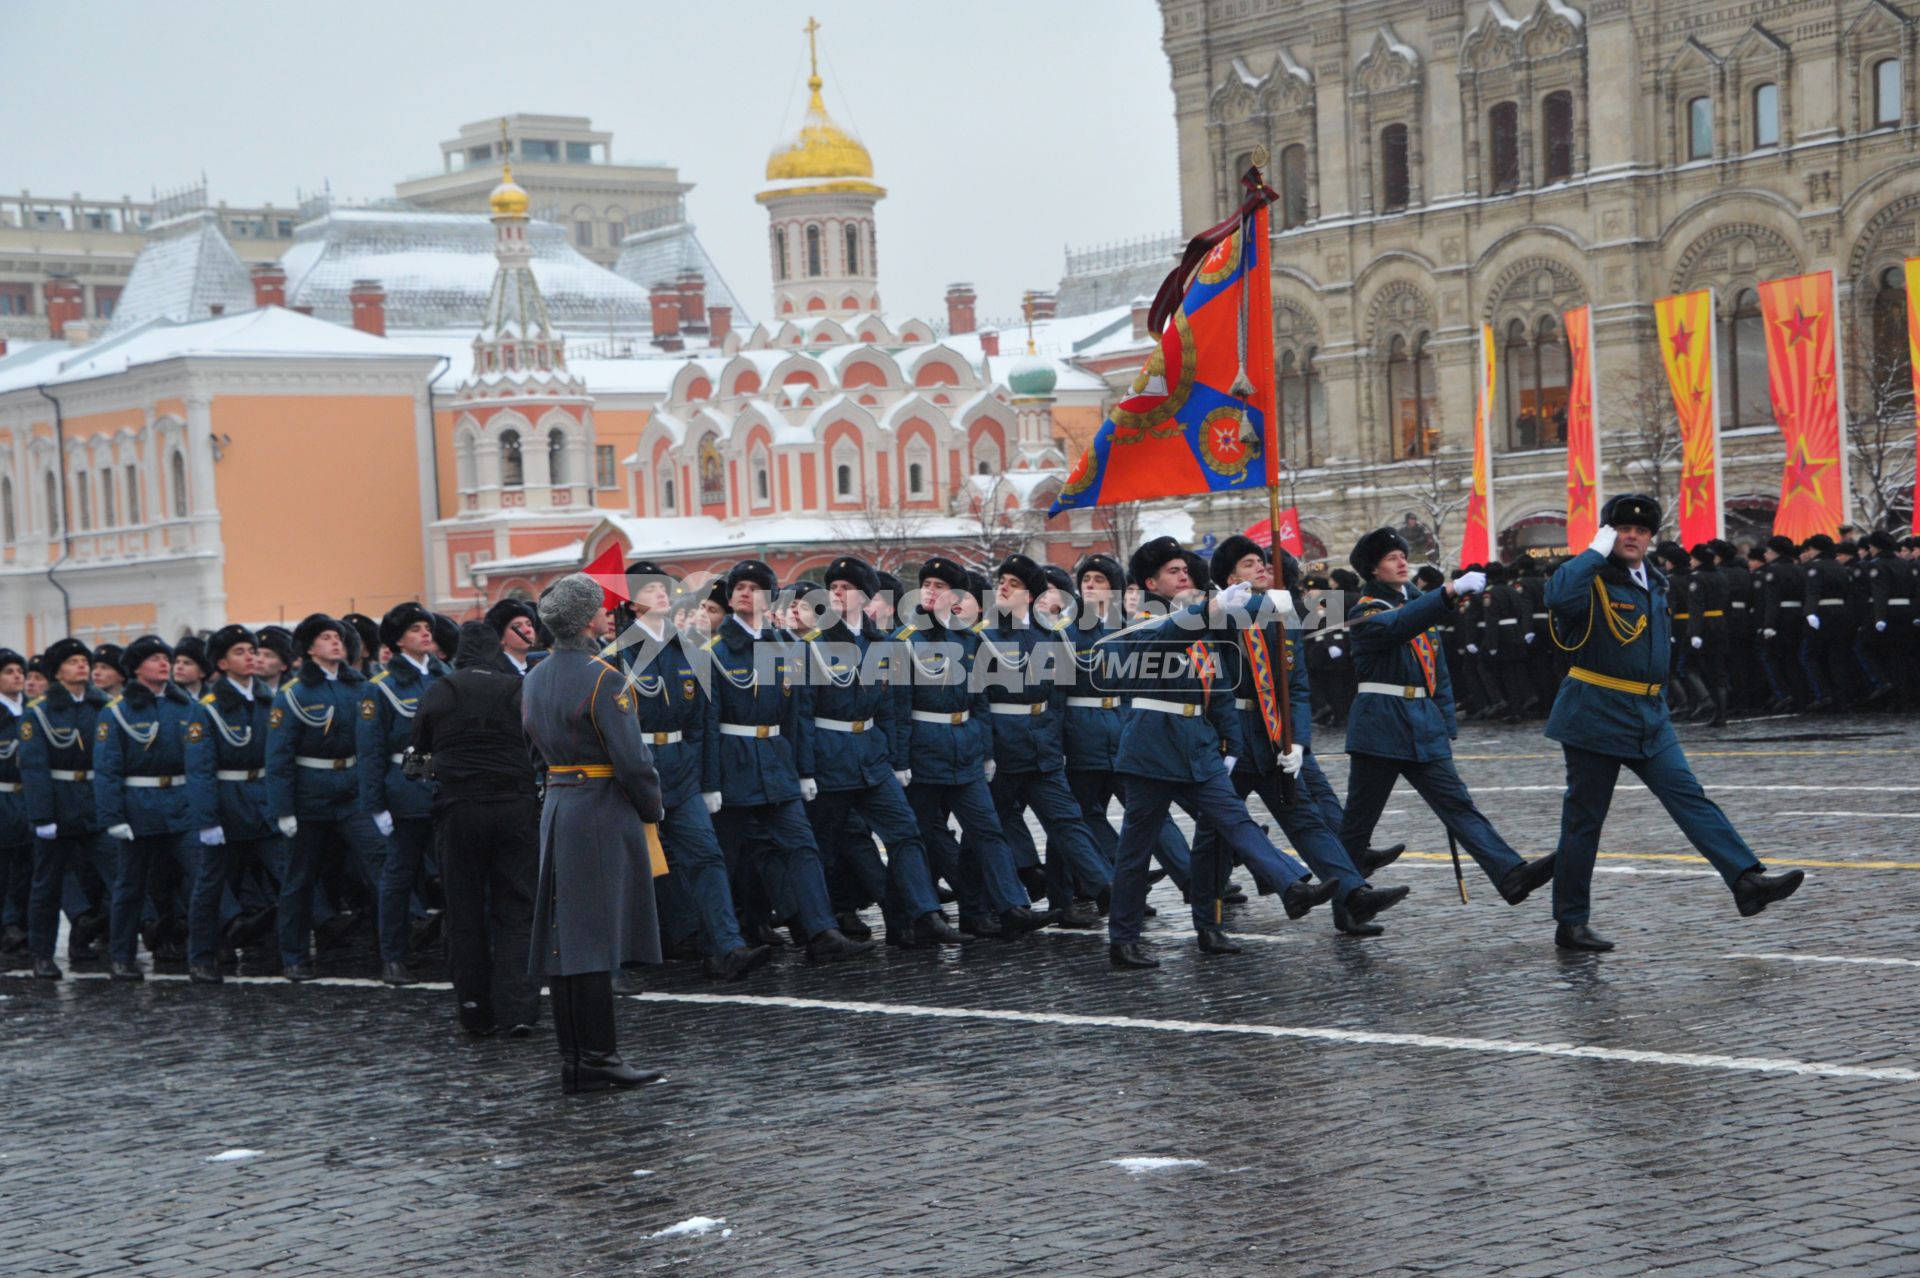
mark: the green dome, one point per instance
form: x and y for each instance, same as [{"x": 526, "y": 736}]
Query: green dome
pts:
[{"x": 1032, "y": 377}]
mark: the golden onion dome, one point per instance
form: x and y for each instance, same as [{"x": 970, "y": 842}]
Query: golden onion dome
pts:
[
  {"x": 822, "y": 149},
  {"x": 509, "y": 199}
]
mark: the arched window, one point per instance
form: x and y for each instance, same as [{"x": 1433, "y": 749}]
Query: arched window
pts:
[
  {"x": 1700, "y": 128},
  {"x": 177, "y": 465},
  {"x": 1293, "y": 186},
  {"x": 780, "y": 252},
  {"x": 1556, "y": 113},
  {"x": 1503, "y": 146},
  {"x": 53, "y": 505},
  {"x": 843, "y": 480},
  {"x": 1410, "y": 387},
  {"x": 1743, "y": 363},
  {"x": 813, "y": 251},
  {"x": 762, "y": 483},
  {"x": 1302, "y": 407},
  {"x": 666, "y": 494},
  {"x": 512, "y": 474},
  {"x": 1892, "y": 361},
  {"x": 853, "y": 249},
  {"x": 1886, "y": 92},
  {"x": 107, "y": 504},
  {"x": 6, "y": 510},
  {"x": 557, "y": 458},
  {"x": 1395, "y": 185},
  {"x": 1522, "y": 392},
  {"x": 916, "y": 480},
  {"x": 1766, "y": 115},
  {"x": 83, "y": 496},
  {"x": 464, "y": 466},
  {"x": 1552, "y": 364},
  {"x": 133, "y": 493}
]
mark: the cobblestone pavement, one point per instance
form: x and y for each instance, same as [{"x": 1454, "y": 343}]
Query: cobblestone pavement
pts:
[{"x": 1718, "y": 1096}]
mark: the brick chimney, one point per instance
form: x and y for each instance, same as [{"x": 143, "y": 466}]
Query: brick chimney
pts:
[
  {"x": 959, "y": 308},
  {"x": 665, "y": 299},
  {"x": 692, "y": 288},
  {"x": 269, "y": 284},
  {"x": 369, "y": 307},
  {"x": 719, "y": 323},
  {"x": 66, "y": 304},
  {"x": 1046, "y": 305},
  {"x": 1141, "y": 306},
  {"x": 990, "y": 343}
]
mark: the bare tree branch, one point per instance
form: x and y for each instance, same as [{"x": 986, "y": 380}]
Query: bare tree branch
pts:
[
  {"x": 882, "y": 535},
  {"x": 1880, "y": 429}
]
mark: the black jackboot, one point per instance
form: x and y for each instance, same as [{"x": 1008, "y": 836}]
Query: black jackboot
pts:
[{"x": 597, "y": 1066}]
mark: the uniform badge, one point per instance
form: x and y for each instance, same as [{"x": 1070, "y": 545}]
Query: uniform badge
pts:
[
  {"x": 195, "y": 733},
  {"x": 101, "y": 733},
  {"x": 277, "y": 718},
  {"x": 623, "y": 701},
  {"x": 26, "y": 732},
  {"x": 686, "y": 689},
  {"x": 368, "y": 710}
]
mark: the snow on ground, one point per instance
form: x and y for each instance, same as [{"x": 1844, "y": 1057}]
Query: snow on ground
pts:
[
  {"x": 1138, "y": 1166},
  {"x": 693, "y": 1225}
]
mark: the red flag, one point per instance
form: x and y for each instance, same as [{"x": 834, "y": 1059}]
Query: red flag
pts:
[
  {"x": 1476, "y": 540},
  {"x": 1583, "y": 441},
  {"x": 1685, "y": 326},
  {"x": 609, "y": 570},
  {"x": 1913, "y": 351},
  {"x": 1262, "y": 532},
  {"x": 1803, "y": 377}
]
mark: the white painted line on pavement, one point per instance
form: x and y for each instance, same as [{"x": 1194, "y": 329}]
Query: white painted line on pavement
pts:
[
  {"x": 1628, "y": 787},
  {"x": 1878, "y": 816},
  {"x": 1830, "y": 958},
  {"x": 1375, "y": 1038}
]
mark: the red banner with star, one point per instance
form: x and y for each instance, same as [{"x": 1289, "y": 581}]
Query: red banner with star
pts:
[
  {"x": 1290, "y": 540},
  {"x": 1687, "y": 349},
  {"x": 1583, "y": 440},
  {"x": 1803, "y": 379},
  {"x": 1913, "y": 352},
  {"x": 1476, "y": 541}
]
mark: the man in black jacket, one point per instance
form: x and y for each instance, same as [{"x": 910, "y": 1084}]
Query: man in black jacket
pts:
[{"x": 485, "y": 815}]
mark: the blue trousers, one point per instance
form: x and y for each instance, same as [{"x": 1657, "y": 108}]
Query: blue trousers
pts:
[
  {"x": 1210, "y": 802},
  {"x": 137, "y": 857},
  {"x": 317, "y": 839},
  {"x": 91, "y": 859},
  {"x": 1094, "y": 790},
  {"x": 16, "y": 883},
  {"x": 980, "y": 869},
  {"x": 1306, "y": 829},
  {"x": 1313, "y": 782},
  {"x": 1074, "y": 864},
  {"x": 697, "y": 878},
  {"x": 408, "y": 849},
  {"x": 1370, "y": 780},
  {"x": 215, "y": 900},
  {"x": 904, "y": 884},
  {"x": 773, "y": 842},
  {"x": 1590, "y": 782}
]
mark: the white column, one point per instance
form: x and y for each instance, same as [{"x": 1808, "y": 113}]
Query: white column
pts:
[{"x": 203, "y": 501}]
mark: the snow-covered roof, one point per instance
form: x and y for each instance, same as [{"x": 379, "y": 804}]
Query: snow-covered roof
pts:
[
  {"x": 658, "y": 255},
  {"x": 185, "y": 269}
]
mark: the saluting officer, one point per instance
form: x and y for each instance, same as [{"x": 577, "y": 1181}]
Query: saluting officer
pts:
[
  {"x": 312, "y": 790},
  {"x": 16, "y": 836},
  {"x": 56, "y": 766},
  {"x": 1609, "y": 605},
  {"x": 401, "y": 807}
]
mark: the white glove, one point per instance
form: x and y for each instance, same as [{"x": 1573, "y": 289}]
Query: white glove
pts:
[
  {"x": 1768, "y": 634},
  {"x": 1881, "y": 626},
  {"x": 1814, "y": 620},
  {"x": 1229, "y": 760},
  {"x": 1603, "y": 539},
  {"x": 289, "y": 826},
  {"x": 49, "y": 831},
  {"x": 992, "y": 767},
  {"x": 212, "y": 837},
  {"x": 1333, "y": 652},
  {"x": 1236, "y": 595},
  {"x": 712, "y": 799},
  {"x": 1290, "y": 761},
  {"x": 1532, "y": 635},
  {"x": 383, "y": 822},
  {"x": 1281, "y": 601},
  {"x": 1474, "y": 649},
  {"x": 1697, "y": 642},
  {"x": 122, "y": 832},
  {"x": 904, "y": 776},
  {"x": 809, "y": 789},
  {"x": 1470, "y": 583}
]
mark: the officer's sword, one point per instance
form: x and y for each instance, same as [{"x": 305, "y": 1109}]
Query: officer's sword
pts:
[{"x": 1459, "y": 879}]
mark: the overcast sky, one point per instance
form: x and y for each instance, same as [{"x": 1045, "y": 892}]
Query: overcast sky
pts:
[{"x": 1003, "y": 130}]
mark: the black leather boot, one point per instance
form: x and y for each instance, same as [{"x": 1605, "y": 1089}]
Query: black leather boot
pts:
[
  {"x": 933, "y": 929},
  {"x": 1376, "y": 859},
  {"x": 1353, "y": 913},
  {"x": 597, "y": 1066},
  {"x": 1578, "y": 936},
  {"x": 1213, "y": 940},
  {"x": 1133, "y": 955},
  {"x": 1523, "y": 878},
  {"x": 1302, "y": 896},
  {"x": 1755, "y": 890},
  {"x": 831, "y": 946},
  {"x": 737, "y": 962}
]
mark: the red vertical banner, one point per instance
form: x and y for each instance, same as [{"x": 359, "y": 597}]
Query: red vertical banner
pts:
[
  {"x": 1583, "y": 436},
  {"x": 1913, "y": 354},
  {"x": 1803, "y": 379},
  {"x": 1687, "y": 349},
  {"x": 1266, "y": 398},
  {"x": 1476, "y": 542}
]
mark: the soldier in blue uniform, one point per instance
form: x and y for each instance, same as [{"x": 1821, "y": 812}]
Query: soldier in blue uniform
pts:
[
  {"x": 861, "y": 761},
  {"x": 1403, "y": 717},
  {"x": 56, "y": 766},
  {"x": 273, "y": 658},
  {"x": 16, "y": 837},
  {"x": 668, "y": 684},
  {"x": 1610, "y": 610},
  {"x": 759, "y": 742},
  {"x": 401, "y": 807},
  {"x": 312, "y": 789},
  {"x": 512, "y": 620},
  {"x": 105, "y": 672},
  {"x": 941, "y": 717},
  {"x": 1180, "y": 741},
  {"x": 140, "y": 795}
]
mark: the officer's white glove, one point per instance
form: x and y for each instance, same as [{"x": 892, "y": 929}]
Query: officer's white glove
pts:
[
  {"x": 1532, "y": 635},
  {"x": 1768, "y": 634},
  {"x": 1603, "y": 539},
  {"x": 1236, "y": 595},
  {"x": 1470, "y": 583},
  {"x": 904, "y": 776},
  {"x": 289, "y": 826},
  {"x": 1290, "y": 761},
  {"x": 809, "y": 789},
  {"x": 1697, "y": 642},
  {"x": 1229, "y": 760},
  {"x": 1333, "y": 652},
  {"x": 992, "y": 767},
  {"x": 1474, "y": 649},
  {"x": 1881, "y": 626},
  {"x": 1282, "y": 602},
  {"x": 712, "y": 799},
  {"x": 212, "y": 837},
  {"x": 1814, "y": 620},
  {"x": 122, "y": 832},
  {"x": 383, "y": 822},
  {"x": 49, "y": 831}
]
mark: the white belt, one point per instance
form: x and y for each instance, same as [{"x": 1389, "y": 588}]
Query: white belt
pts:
[
  {"x": 10, "y": 787},
  {"x": 1393, "y": 690},
  {"x": 1738, "y": 604},
  {"x": 937, "y": 716},
  {"x": 326, "y": 765},
  {"x": 843, "y": 725},
  {"x": 1541, "y": 616},
  {"x": 1095, "y": 703},
  {"x": 1184, "y": 709},
  {"x": 257, "y": 774},
  {"x": 661, "y": 738},
  {"x": 1899, "y": 603},
  {"x": 750, "y": 730},
  {"x": 1789, "y": 603},
  {"x": 1509, "y": 621},
  {"x": 152, "y": 783},
  {"x": 1244, "y": 703},
  {"x": 58, "y": 775},
  {"x": 1021, "y": 708},
  {"x": 1831, "y": 603},
  {"x": 397, "y": 758}
]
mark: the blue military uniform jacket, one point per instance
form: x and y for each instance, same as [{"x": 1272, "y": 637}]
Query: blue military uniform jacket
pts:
[
  {"x": 758, "y": 683},
  {"x": 143, "y": 736},
  {"x": 939, "y": 714},
  {"x": 1625, "y": 649},
  {"x": 229, "y": 735},
  {"x": 14, "y": 830},
  {"x": 666, "y": 680},
  {"x": 1023, "y": 669},
  {"x": 316, "y": 719},
  {"x": 1174, "y": 659},
  {"x": 1261, "y": 757},
  {"x": 1092, "y": 732},
  {"x": 1399, "y": 643},
  {"x": 57, "y": 736},
  {"x": 385, "y": 727},
  {"x": 853, "y": 676}
]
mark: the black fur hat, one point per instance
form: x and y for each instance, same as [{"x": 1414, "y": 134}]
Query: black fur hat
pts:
[
  {"x": 8, "y": 657},
  {"x": 944, "y": 569},
  {"x": 1229, "y": 553},
  {"x": 1375, "y": 546},
  {"x": 856, "y": 572},
  {"x": 139, "y": 650},
  {"x": 754, "y": 571},
  {"x": 1150, "y": 558},
  {"x": 1821, "y": 543},
  {"x": 279, "y": 641},
  {"x": 399, "y": 619},
  {"x": 1106, "y": 565},
  {"x": 1705, "y": 555},
  {"x": 1025, "y": 570},
  {"x": 108, "y": 654},
  {"x": 504, "y": 613},
  {"x": 312, "y": 627},
  {"x": 1783, "y": 547},
  {"x": 1636, "y": 509},
  {"x": 365, "y": 629},
  {"x": 225, "y": 638},
  {"x": 446, "y": 635}
]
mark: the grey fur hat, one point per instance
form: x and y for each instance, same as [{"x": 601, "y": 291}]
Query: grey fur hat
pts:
[{"x": 569, "y": 604}]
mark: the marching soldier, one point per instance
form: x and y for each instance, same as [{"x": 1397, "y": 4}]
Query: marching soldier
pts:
[
  {"x": 362, "y": 634},
  {"x": 106, "y": 673},
  {"x": 192, "y": 667},
  {"x": 401, "y": 807},
  {"x": 1887, "y": 637},
  {"x": 1826, "y": 649},
  {"x": 1609, "y": 606},
  {"x": 1744, "y": 678},
  {"x": 273, "y": 658},
  {"x": 1707, "y": 605},
  {"x": 1506, "y": 636},
  {"x": 1532, "y": 585},
  {"x": 56, "y": 766},
  {"x": 16, "y": 837},
  {"x": 1782, "y": 589},
  {"x": 140, "y": 794}
]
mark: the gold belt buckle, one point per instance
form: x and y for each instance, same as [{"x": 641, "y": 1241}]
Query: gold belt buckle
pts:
[
  {"x": 1037, "y": 707},
  {"x": 1409, "y": 694},
  {"x": 1188, "y": 711},
  {"x": 859, "y": 725},
  {"x": 1106, "y": 703},
  {"x": 760, "y": 730},
  {"x": 166, "y": 783},
  {"x": 957, "y": 717}
]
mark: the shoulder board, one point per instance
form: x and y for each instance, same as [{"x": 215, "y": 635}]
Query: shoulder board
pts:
[
  {"x": 207, "y": 700},
  {"x": 978, "y": 628},
  {"x": 610, "y": 651},
  {"x": 36, "y": 701},
  {"x": 1370, "y": 605},
  {"x": 382, "y": 675},
  {"x": 905, "y": 631},
  {"x": 609, "y": 666},
  {"x": 116, "y": 701},
  {"x": 811, "y": 635},
  {"x": 708, "y": 645}
]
